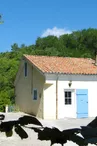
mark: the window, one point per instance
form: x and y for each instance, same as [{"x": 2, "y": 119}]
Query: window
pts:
[
  {"x": 34, "y": 94},
  {"x": 68, "y": 95},
  {"x": 25, "y": 69}
]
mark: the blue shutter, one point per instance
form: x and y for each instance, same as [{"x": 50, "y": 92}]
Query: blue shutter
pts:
[{"x": 82, "y": 103}]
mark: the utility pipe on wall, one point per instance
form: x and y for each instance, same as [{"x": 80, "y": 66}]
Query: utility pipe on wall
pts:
[{"x": 57, "y": 97}]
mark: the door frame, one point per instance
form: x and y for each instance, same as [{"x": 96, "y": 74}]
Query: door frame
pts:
[{"x": 70, "y": 107}]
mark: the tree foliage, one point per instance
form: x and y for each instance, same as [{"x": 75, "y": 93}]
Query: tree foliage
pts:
[{"x": 81, "y": 43}]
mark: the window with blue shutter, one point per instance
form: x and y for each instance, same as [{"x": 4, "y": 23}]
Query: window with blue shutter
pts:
[{"x": 35, "y": 94}]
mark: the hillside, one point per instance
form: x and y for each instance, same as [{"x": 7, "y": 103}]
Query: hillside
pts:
[{"x": 81, "y": 43}]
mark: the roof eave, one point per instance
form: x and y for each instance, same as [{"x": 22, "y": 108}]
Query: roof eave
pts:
[{"x": 58, "y": 73}]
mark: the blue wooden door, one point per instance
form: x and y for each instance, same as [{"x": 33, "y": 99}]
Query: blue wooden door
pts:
[{"x": 82, "y": 103}]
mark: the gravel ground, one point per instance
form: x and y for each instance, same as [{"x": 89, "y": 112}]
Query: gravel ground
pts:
[{"x": 32, "y": 140}]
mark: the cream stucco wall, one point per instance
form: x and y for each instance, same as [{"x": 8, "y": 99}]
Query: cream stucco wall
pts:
[
  {"x": 50, "y": 100},
  {"x": 24, "y": 90}
]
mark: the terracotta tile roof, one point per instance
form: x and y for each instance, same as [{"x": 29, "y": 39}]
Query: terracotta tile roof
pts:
[{"x": 63, "y": 65}]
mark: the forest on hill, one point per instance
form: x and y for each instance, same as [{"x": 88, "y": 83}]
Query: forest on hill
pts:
[{"x": 81, "y": 43}]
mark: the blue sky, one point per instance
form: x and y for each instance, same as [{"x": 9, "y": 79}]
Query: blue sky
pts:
[{"x": 25, "y": 20}]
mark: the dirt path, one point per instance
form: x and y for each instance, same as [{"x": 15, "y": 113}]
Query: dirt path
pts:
[{"x": 15, "y": 140}]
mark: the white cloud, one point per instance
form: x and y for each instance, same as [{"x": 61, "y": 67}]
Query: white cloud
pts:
[{"x": 55, "y": 31}]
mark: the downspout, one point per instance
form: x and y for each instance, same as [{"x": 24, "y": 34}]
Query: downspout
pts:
[
  {"x": 57, "y": 97},
  {"x": 32, "y": 82}
]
